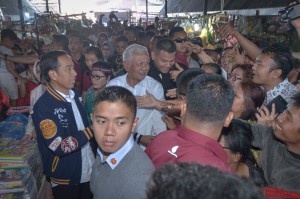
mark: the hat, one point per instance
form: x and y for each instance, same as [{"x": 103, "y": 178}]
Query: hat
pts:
[
  {"x": 8, "y": 33},
  {"x": 103, "y": 67}
]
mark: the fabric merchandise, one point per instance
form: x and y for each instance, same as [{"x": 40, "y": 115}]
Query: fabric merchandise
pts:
[
  {"x": 281, "y": 168},
  {"x": 123, "y": 175},
  {"x": 285, "y": 89},
  {"x": 150, "y": 122},
  {"x": 184, "y": 145},
  {"x": 59, "y": 140}
]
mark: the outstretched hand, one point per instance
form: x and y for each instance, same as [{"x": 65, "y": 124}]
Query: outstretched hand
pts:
[
  {"x": 147, "y": 101},
  {"x": 175, "y": 73}
]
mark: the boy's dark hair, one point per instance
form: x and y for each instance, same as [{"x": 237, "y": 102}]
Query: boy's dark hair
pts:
[
  {"x": 191, "y": 180},
  {"x": 175, "y": 30},
  {"x": 216, "y": 67},
  {"x": 166, "y": 45},
  {"x": 184, "y": 78},
  {"x": 49, "y": 62},
  {"x": 209, "y": 98},
  {"x": 282, "y": 56},
  {"x": 117, "y": 94},
  {"x": 121, "y": 38}
]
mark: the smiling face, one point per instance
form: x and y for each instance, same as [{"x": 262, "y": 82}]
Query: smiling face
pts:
[
  {"x": 163, "y": 60},
  {"x": 287, "y": 126},
  {"x": 137, "y": 68},
  {"x": 236, "y": 76},
  {"x": 63, "y": 78},
  {"x": 113, "y": 123}
]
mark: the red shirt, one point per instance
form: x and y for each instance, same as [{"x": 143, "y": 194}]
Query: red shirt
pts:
[
  {"x": 86, "y": 80},
  {"x": 184, "y": 145}
]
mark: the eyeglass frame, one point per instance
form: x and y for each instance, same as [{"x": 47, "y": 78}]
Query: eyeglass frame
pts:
[{"x": 96, "y": 77}]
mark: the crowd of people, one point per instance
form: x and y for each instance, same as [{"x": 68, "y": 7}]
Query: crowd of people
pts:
[{"x": 136, "y": 113}]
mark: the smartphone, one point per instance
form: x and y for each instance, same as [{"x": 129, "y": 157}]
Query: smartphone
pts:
[{"x": 280, "y": 104}]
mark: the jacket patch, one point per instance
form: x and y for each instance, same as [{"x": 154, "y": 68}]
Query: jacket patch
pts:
[
  {"x": 69, "y": 144},
  {"x": 55, "y": 143},
  {"x": 48, "y": 128}
]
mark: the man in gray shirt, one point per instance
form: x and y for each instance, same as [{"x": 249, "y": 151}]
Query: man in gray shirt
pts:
[
  {"x": 121, "y": 169},
  {"x": 280, "y": 155}
]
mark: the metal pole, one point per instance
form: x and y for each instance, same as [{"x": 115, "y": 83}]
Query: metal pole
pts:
[
  {"x": 147, "y": 12},
  {"x": 20, "y": 5},
  {"x": 205, "y": 7},
  {"x": 47, "y": 6},
  {"x": 59, "y": 6},
  {"x": 166, "y": 8}
]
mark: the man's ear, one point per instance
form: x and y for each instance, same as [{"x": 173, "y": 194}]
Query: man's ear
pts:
[
  {"x": 228, "y": 119},
  {"x": 182, "y": 108},
  {"x": 52, "y": 74},
  {"x": 276, "y": 73},
  {"x": 126, "y": 65},
  {"x": 135, "y": 123}
]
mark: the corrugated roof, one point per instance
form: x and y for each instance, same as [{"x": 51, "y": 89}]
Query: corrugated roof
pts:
[
  {"x": 182, "y": 6},
  {"x": 10, "y": 7}
]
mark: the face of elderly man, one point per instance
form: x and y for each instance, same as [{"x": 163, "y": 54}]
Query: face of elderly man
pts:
[{"x": 137, "y": 68}]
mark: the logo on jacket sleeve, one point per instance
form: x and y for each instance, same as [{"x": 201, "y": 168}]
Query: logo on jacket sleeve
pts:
[
  {"x": 48, "y": 128},
  {"x": 55, "y": 143},
  {"x": 173, "y": 151},
  {"x": 69, "y": 144}
]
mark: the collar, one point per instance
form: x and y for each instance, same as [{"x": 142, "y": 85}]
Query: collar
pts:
[
  {"x": 114, "y": 159},
  {"x": 55, "y": 94},
  {"x": 280, "y": 85},
  {"x": 202, "y": 140},
  {"x": 68, "y": 97},
  {"x": 141, "y": 83}
]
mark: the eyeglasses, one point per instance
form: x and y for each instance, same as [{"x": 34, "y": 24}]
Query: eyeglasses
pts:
[
  {"x": 97, "y": 77},
  {"x": 179, "y": 40},
  {"x": 233, "y": 77}
]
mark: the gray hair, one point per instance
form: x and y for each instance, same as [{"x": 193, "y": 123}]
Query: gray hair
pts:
[{"x": 134, "y": 48}]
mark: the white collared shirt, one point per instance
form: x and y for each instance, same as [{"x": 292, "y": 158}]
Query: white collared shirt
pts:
[
  {"x": 87, "y": 155},
  {"x": 150, "y": 122},
  {"x": 115, "y": 158}
]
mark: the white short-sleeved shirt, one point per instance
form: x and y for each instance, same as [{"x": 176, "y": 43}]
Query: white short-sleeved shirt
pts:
[{"x": 150, "y": 122}]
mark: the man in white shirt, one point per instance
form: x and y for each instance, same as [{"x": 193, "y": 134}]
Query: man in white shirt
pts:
[
  {"x": 136, "y": 63},
  {"x": 270, "y": 71}
]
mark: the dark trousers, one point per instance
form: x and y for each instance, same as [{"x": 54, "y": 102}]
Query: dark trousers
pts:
[{"x": 81, "y": 191}]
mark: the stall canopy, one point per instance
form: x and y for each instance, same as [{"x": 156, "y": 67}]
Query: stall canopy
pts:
[
  {"x": 10, "y": 7},
  {"x": 196, "y": 6}
]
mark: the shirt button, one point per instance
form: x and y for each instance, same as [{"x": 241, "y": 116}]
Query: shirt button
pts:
[{"x": 113, "y": 161}]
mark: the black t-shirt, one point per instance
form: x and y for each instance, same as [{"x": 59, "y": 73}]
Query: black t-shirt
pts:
[{"x": 164, "y": 78}]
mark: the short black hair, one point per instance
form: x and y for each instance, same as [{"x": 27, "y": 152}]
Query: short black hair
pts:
[
  {"x": 96, "y": 50},
  {"x": 209, "y": 98},
  {"x": 192, "y": 180},
  {"x": 165, "y": 45},
  {"x": 296, "y": 99},
  {"x": 216, "y": 67},
  {"x": 49, "y": 62},
  {"x": 62, "y": 40},
  {"x": 175, "y": 30},
  {"x": 121, "y": 38},
  {"x": 282, "y": 56},
  {"x": 8, "y": 33},
  {"x": 117, "y": 94},
  {"x": 184, "y": 78}
]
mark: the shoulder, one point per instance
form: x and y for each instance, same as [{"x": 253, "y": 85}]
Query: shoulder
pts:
[
  {"x": 152, "y": 83},
  {"x": 117, "y": 81}
]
